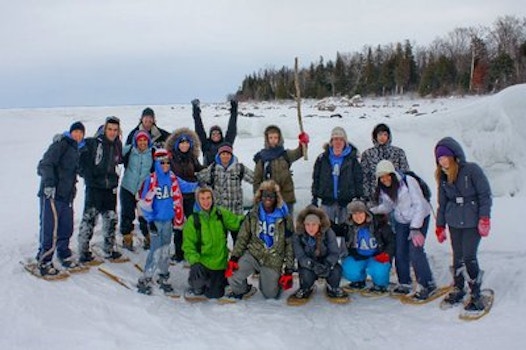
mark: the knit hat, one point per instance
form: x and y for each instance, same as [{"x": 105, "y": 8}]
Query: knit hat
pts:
[
  {"x": 216, "y": 128},
  {"x": 339, "y": 132},
  {"x": 225, "y": 147},
  {"x": 312, "y": 218},
  {"x": 77, "y": 126},
  {"x": 148, "y": 112},
  {"x": 161, "y": 154},
  {"x": 442, "y": 151},
  {"x": 141, "y": 134},
  {"x": 384, "y": 167},
  {"x": 356, "y": 206}
]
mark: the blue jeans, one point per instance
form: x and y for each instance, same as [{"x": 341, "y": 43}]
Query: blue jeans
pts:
[
  {"x": 159, "y": 255},
  {"x": 356, "y": 270},
  {"x": 407, "y": 254}
]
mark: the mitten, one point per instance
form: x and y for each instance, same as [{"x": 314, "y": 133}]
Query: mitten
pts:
[
  {"x": 232, "y": 266},
  {"x": 196, "y": 103},
  {"x": 303, "y": 138},
  {"x": 417, "y": 237},
  {"x": 285, "y": 281},
  {"x": 383, "y": 257},
  {"x": 484, "y": 226},
  {"x": 233, "y": 103},
  {"x": 49, "y": 192},
  {"x": 322, "y": 270},
  {"x": 440, "y": 232}
]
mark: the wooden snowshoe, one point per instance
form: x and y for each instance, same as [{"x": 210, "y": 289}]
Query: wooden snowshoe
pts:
[
  {"x": 410, "y": 298},
  {"x": 32, "y": 268},
  {"x": 488, "y": 296}
]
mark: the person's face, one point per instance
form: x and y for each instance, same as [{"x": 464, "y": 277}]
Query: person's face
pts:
[
  {"x": 312, "y": 228},
  {"x": 205, "y": 200},
  {"x": 215, "y": 135},
  {"x": 382, "y": 137},
  {"x": 112, "y": 131},
  {"x": 225, "y": 158},
  {"x": 386, "y": 180},
  {"x": 147, "y": 122},
  {"x": 184, "y": 146},
  {"x": 359, "y": 217},
  {"x": 165, "y": 165},
  {"x": 444, "y": 162},
  {"x": 142, "y": 144},
  {"x": 338, "y": 144},
  {"x": 269, "y": 200},
  {"x": 273, "y": 139},
  {"x": 77, "y": 135}
]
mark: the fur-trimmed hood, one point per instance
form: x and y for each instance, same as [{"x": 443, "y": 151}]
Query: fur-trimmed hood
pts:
[
  {"x": 273, "y": 129},
  {"x": 195, "y": 143},
  {"x": 268, "y": 185},
  {"x": 325, "y": 222}
]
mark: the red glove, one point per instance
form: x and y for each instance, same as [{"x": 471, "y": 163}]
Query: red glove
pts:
[
  {"x": 285, "y": 281},
  {"x": 484, "y": 226},
  {"x": 383, "y": 258},
  {"x": 440, "y": 232},
  {"x": 231, "y": 267},
  {"x": 304, "y": 138}
]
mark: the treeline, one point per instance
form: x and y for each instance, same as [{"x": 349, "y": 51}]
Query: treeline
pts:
[{"x": 467, "y": 60}]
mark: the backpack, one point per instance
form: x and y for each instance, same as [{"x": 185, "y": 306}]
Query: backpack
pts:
[
  {"x": 426, "y": 191},
  {"x": 197, "y": 226}
]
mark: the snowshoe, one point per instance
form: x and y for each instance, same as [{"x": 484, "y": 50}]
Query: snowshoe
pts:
[
  {"x": 375, "y": 291},
  {"x": 73, "y": 266},
  {"x": 231, "y": 297},
  {"x": 477, "y": 309},
  {"x": 354, "y": 287},
  {"x": 87, "y": 258},
  {"x": 455, "y": 297},
  {"x": 425, "y": 295},
  {"x": 116, "y": 257},
  {"x": 300, "y": 297},
  {"x": 144, "y": 286},
  {"x": 337, "y": 295},
  {"x": 193, "y": 296},
  {"x": 400, "y": 290},
  {"x": 35, "y": 269}
]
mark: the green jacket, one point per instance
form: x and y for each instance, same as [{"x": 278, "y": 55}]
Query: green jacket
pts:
[
  {"x": 281, "y": 253},
  {"x": 209, "y": 247}
]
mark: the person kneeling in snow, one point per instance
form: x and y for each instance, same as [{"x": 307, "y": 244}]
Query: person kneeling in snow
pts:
[
  {"x": 317, "y": 252},
  {"x": 205, "y": 245},
  {"x": 371, "y": 244},
  {"x": 161, "y": 202},
  {"x": 264, "y": 246}
]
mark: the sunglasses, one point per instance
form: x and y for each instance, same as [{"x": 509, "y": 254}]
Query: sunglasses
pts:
[
  {"x": 269, "y": 194},
  {"x": 164, "y": 162}
]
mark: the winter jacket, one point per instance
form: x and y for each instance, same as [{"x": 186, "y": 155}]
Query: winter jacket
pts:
[
  {"x": 305, "y": 246},
  {"x": 99, "y": 163},
  {"x": 350, "y": 184},
  {"x": 158, "y": 136},
  {"x": 372, "y": 156},
  {"x": 59, "y": 168},
  {"x": 383, "y": 239},
  {"x": 226, "y": 183},
  {"x": 138, "y": 168},
  {"x": 410, "y": 206},
  {"x": 277, "y": 167},
  {"x": 208, "y": 245},
  {"x": 462, "y": 203},
  {"x": 281, "y": 253},
  {"x": 184, "y": 165},
  {"x": 210, "y": 147}
]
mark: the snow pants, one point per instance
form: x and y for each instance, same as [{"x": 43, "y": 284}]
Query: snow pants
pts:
[
  {"x": 212, "y": 284},
  {"x": 188, "y": 208},
  {"x": 356, "y": 270},
  {"x": 159, "y": 254},
  {"x": 308, "y": 277},
  {"x": 63, "y": 223},
  {"x": 268, "y": 277},
  {"x": 465, "y": 242}
]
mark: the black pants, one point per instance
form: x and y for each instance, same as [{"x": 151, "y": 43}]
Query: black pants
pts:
[
  {"x": 188, "y": 209},
  {"x": 212, "y": 284},
  {"x": 308, "y": 277},
  {"x": 465, "y": 243},
  {"x": 128, "y": 206}
]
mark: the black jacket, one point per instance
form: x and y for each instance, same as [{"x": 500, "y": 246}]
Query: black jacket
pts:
[
  {"x": 381, "y": 231},
  {"x": 98, "y": 163},
  {"x": 157, "y": 135},
  {"x": 59, "y": 168}
]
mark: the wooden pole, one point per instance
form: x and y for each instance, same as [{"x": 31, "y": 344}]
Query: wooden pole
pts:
[{"x": 298, "y": 104}]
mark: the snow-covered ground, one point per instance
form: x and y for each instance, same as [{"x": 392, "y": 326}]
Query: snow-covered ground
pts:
[{"x": 90, "y": 311}]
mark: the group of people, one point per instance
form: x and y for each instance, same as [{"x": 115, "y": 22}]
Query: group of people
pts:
[{"x": 367, "y": 212}]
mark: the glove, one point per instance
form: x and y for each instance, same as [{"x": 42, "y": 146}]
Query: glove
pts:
[
  {"x": 49, "y": 192},
  {"x": 383, "y": 257},
  {"x": 232, "y": 266},
  {"x": 233, "y": 103},
  {"x": 198, "y": 272},
  {"x": 322, "y": 270},
  {"x": 285, "y": 281},
  {"x": 303, "y": 138},
  {"x": 417, "y": 237},
  {"x": 195, "y": 103},
  {"x": 153, "y": 227},
  {"x": 484, "y": 226},
  {"x": 314, "y": 201},
  {"x": 440, "y": 232}
]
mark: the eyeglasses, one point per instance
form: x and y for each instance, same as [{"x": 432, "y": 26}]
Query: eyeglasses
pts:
[
  {"x": 268, "y": 194},
  {"x": 164, "y": 162}
]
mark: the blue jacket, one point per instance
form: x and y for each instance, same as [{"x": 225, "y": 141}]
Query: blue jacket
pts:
[
  {"x": 163, "y": 203},
  {"x": 462, "y": 203},
  {"x": 138, "y": 168}
]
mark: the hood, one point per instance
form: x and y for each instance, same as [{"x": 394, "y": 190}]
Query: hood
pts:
[
  {"x": 325, "y": 222},
  {"x": 273, "y": 129},
  {"x": 454, "y": 146},
  {"x": 196, "y": 144},
  {"x": 268, "y": 185}
]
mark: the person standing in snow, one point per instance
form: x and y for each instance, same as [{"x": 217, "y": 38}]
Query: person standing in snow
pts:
[
  {"x": 317, "y": 252},
  {"x": 147, "y": 123},
  {"x": 337, "y": 179},
  {"x": 161, "y": 201},
  {"x": 211, "y": 144},
  {"x": 403, "y": 196},
  {"x": 264, "y": 246},
  {"x": 184, "y": 146},
  {"x": 138, "y": 163},
  {"x": 464, "y": 205},
  {"x": 383, "y": 149},
  {"x": 58, "y": 169},
  {"x": 370, "y": 245},
  {"x": 99, "y": 168},
  {"x": 205, "y": 245},
  {"x": 224, "y": 176},
  {"x": 273, "y": 163}
]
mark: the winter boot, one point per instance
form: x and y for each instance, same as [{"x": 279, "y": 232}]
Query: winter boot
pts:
[
  {"x": 127, "y": 242},
  {"x": 475, "y": 303},
  {"x": 162, "y": 281},
  {"x": 146, "y": 242},
  {"x": 376, "y": 289},
  {"x": 303, "y": 293},
  {"x": 336, "y": 292},
  {"x": 69, "y": 263},
  {"x": 359, "y": 285},
  {"x": 455, "y": 296},
  {"x": 144, "y": 285},
  {"x": 113, "y": 255},
  {"x": 401, "y": 289},
  {"x": 47, "y": 269},
  {"x": 425, "y": 292},
  {"x": 86, "y": 257}
]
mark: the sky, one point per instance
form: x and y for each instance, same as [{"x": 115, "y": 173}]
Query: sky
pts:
[{"x": 117, "y": 52}]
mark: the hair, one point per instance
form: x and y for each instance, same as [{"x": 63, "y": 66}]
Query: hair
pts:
[
  {"x": 451, "y": 173},
  {"x": 391, "y": 191}
]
